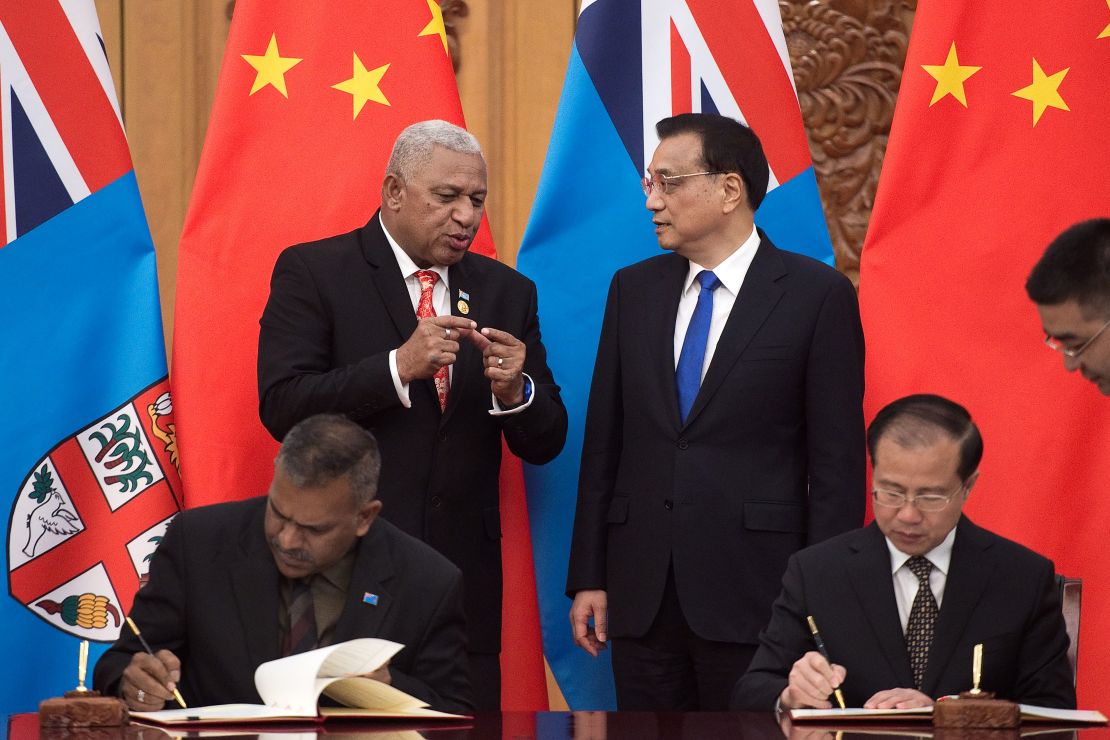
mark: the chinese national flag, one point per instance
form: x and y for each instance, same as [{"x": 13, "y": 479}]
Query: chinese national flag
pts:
[
  {"x": 1001, "y": 139},
  {"x": 310, "y": 99}
]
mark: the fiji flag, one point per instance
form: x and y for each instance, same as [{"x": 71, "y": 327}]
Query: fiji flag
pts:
[
  {"x": 635, "y": 62},
  {"x": 87, "y": 445}
]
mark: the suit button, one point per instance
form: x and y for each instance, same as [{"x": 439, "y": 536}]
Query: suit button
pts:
[
  {"x": 668, "y": 504},
  {"x": 683, "y": 444},
  {"x": 436, "y": 502}
]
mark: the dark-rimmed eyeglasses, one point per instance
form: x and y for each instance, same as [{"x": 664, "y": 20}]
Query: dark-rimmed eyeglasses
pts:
[
  {"x": 666, "y": 183},
  {"x": 1071, "y": 353}
]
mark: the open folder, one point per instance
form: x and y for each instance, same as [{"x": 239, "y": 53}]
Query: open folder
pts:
[{"x": 291, "y": 688}]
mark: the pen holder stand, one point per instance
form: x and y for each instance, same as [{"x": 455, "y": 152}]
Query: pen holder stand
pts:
[
  {"x": 978, "y": 711},
  {"x": 79, "y": 709}
]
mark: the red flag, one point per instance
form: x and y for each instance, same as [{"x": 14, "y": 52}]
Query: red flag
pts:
[
  {"x": 309, "y": 102},
  {"x": 1000, "y": 142}
]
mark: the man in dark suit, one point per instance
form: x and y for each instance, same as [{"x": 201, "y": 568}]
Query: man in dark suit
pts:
[
  {"x": 901, "y": 604},
  {"x": 235, "y": 585},
  {"x": 724, "y": 428},
  {"x": 1071, "y": 286},
  {"x": 435, "y": 350}
]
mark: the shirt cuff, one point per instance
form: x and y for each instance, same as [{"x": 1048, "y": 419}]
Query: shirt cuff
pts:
[
  {"x": 401, "y": 388},
  {"x": 499, "y": 410}
]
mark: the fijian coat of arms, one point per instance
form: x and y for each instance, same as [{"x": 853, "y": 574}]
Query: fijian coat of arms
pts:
[{"x": 89, "y": 515}]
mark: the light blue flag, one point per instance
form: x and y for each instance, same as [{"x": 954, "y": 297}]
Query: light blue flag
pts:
[
  {"x": 87, "y": 446},
  {"x": 635, "y": 62}
]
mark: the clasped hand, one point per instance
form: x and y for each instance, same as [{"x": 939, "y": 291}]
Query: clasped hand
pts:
[{"x": 435, "y": 344}]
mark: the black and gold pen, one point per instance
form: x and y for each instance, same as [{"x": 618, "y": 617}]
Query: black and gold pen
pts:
[
  {"x": 146, "y": 646},
  {"x": 825, "y": 654}
]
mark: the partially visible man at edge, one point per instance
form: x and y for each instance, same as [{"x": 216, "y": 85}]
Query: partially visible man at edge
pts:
[
  {"x": 311, "y": 564},
  {"x": 434, "y": 349},
  {"x": 1071, "y": 286}
]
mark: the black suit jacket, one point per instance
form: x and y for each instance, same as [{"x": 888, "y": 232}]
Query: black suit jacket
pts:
[
  {"x": 997, "y": 593},
  {"x": 214, "y": 594},
  {"x": 337, "y": 308},
  {"x": 770, "y": 458}
]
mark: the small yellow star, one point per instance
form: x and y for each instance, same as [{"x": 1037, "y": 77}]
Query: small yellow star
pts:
[
  {"x": 435, "y": 25},
  {"x": 363, "y": 85},
  {"x": 1106, "y": 31},
  {"x": 1044, "y": 91},
  {"x": 950, "y": 77},
  {"x": 271, "y": 68}
]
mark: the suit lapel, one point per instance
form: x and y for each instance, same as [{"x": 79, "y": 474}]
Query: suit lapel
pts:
[
  {"x": 387, "y": 277},
  {"x": 391, "y": 287},
  {"x": 256, "y": 591},
  {"x": 369, "y": 597},
  {"x": 668, "y": 292},
  {"x": 969, "y": 572},
  {"x": 758, "y": 296},
  {"x": 460, "y": 277},
  {"x": 869, "y": 574}
]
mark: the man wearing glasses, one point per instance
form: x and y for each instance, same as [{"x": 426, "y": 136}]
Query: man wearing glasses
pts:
[
  {"x": 902, "y": 602},
  {"x": 1071, "y": 287},
  {"x": 724, "y": 429}
]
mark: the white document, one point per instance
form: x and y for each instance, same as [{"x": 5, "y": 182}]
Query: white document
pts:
[{"x": 291, "y": 689}]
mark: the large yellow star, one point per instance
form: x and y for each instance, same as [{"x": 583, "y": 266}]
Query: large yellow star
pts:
[
  {"x": 363, "y": 85},
  {"x": 950, "y": 77},
  {"x": 1044, "y": 92},
  {"x": 271, "y": 68},
  {"x": 1106, "y": 31},
  {"x": 435, "y": 25}
]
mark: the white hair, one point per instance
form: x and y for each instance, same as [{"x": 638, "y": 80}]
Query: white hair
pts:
[{"x": 414, "y": 145}]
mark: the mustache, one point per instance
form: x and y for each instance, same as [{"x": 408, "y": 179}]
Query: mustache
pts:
[{"x": 301, "y": 555}]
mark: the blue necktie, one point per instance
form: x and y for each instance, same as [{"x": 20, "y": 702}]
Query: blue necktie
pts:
[{"x": 690, "y": 360}]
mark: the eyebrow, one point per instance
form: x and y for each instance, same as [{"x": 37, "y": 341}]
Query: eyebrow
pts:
[{"x": 281, "y": 515}]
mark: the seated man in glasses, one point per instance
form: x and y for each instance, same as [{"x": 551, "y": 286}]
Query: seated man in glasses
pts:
[
  {"x": 901, "y": 603},
  {"x": 1071, "y": 286}
]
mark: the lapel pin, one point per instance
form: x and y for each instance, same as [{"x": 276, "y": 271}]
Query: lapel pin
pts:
[
  {"x": 463, "y": 306},
  {"x": 369, "y": 598}
]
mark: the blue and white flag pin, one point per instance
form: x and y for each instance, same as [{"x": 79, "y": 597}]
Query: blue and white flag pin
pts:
[{"x": 369, "y": 598}]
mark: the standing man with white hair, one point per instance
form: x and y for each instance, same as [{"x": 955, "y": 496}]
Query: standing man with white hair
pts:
[{"x": 436, "y": 350}]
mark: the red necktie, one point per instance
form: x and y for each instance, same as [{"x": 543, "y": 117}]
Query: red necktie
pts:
[{"x": 425, "y": 310}]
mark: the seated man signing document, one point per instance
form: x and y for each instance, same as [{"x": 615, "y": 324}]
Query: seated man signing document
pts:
[
  {"x": 901, "y": 603},
  {"x": 235, "y": 585}
]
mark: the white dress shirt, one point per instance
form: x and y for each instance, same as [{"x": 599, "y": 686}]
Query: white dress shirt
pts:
[
  {"x": 441, "y": 302},
  {"x": 731, "y": 272},
  {"x": 906, "y": 583}
]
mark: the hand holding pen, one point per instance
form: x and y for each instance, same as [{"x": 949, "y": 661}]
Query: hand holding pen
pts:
[{"x": 151, "y": 678}]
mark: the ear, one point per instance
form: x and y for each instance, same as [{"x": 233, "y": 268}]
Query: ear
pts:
[
  {"x": 735, "y": 194},
  {"x": 393, "y": 192},
  {"x": 366, "y": 516},
  {"x": 971, "y": 480}
]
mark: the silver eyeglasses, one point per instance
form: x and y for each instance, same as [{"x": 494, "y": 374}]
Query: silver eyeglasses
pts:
[
  {"x": 923, "y": 502},
  {"x": 1071, "y": 353},
  {"x": 665, "y": 183}
]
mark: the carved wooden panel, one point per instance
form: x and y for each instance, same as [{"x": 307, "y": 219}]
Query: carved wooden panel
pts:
[{"x": 847, "y": 57}]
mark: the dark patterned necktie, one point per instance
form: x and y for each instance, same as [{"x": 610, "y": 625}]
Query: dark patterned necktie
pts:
[
  {"x": 302, "y": 619},
  {"x": 923, "y": 618}
]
